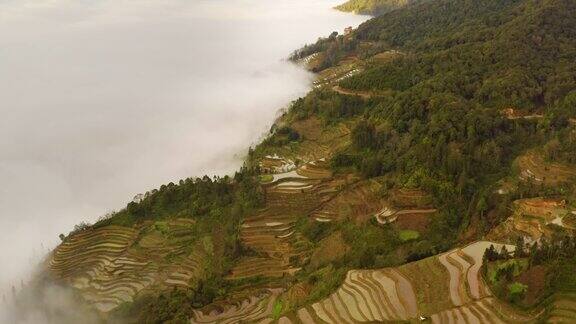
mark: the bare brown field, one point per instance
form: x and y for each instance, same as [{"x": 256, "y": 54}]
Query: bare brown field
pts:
[
  {"x": 319, "y": 169},
  {"x": 403, "y": 198},
  {"x": 358, "y": 202},
  {"x": 329, "y": 249},
  {"x": 407, "y": 209},
  {"x": 416, "y": 220},
  {"x": 535, "y": 279},
  {"x": 533, "y": 167},
  {"x": 532, "y": 219}
]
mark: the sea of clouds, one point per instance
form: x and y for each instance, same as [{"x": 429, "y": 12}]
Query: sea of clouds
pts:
[{"x": 105, "y": 99}]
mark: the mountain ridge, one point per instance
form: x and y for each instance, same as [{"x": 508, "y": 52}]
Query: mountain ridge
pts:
[{"x": 374, "y": 7}]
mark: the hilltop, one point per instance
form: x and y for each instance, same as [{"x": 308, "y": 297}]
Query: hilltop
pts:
[
  {"x": 429, "y": 174},
  {"x": 374, "y": 7}
]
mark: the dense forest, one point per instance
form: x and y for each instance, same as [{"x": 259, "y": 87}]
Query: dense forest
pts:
[{"x": 441, "y": 126}]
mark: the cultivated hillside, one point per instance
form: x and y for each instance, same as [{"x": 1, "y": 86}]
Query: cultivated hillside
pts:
[{"x": 429, "y": 175}]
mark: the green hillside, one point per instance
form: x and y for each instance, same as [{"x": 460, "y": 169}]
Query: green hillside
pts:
[
  {"x": 374, "y": 7},
  {"x": 433, "y": 132}
]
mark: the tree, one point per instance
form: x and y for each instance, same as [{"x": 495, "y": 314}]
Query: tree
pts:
[
  {"x": 490, "y": 254},
  {"x": 519, "y": 248},
  {"x": 504, "y": 252},
  {"x": 364, "y": 135}
]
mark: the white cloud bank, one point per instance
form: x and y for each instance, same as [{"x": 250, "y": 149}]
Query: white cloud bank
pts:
[{"x": 103, "y": 99}]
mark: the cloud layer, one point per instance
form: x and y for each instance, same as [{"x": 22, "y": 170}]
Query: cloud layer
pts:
[{"x": 104, "y": 99}]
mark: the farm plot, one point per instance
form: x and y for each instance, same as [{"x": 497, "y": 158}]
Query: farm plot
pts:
[
  {"x": 563, "y": 309},
  {"x": 414, "y": 219},
  {"x": 403, "y": 198},
  {"x": 358, "y": 202},
  {"x": 318, "y": 142},
  {"x": 485, "y": 310},
  {"x": 249, "y": 309},
  {"x": 294, "y": 185},
  {"x": 89, "y": 249},
  {"x": 319, "y": 169},
  {"x": 110, "y": 265},
  {"x": 276, "y": 164},
  {"x": 408, "y": 209},
  {"x": 108, "y": 286},
  {"x": 533, "y": 167},
  {"x": 185, "y": 272},
  {"x": 368, "y": 296},
  {"x": 96, "y": 262},
  {"x": 329, "y": 249},
  {"x": 446, "y": 288},
  {"x": 270, "y": 232},
  {"x": 345, "y": 69},
  {"x": 533, "y": 219},
  {"x": 311, "y": 62}
]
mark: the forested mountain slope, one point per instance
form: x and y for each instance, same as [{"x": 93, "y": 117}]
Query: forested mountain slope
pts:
[
  {"x": 429, "y": 174},
  {"x": 374, "y": 7}
]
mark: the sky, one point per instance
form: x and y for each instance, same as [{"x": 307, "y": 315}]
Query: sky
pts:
[{"x": 105, "y": 99}]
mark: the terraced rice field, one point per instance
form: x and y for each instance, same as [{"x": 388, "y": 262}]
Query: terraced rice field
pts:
[
  {"x": 446, "y": 289},
  {"x": 97, "y": 263},
  {"x": 184, "y": 272},
  {"x": 563, "y": 309},
  {"x": 252, "y": 309},
  {"x": 369, "y": 296},
  {"x": 319, "y": 141},
  {"x": 312, "y": 61},
  {"x": 359, "y": 202},
  {"x": 386, "y": 215},
  {"x": 532, "y": 220},
  {"x": 110, "y": 265},
  {"x": 270, "y": 232},
  {"x": 90, "y": 248},
  {"x": 486, "y": 310},
  {"x": 533, "y": 167},
  {"x": 408, "y": 209},
  {"x": 404, "y": 198},
  {"x": 346, "y": 68},
  {"x": 276, "y": 164},
  {"x": 319, "y": 169},
  {"x": 406, "y": 219}
]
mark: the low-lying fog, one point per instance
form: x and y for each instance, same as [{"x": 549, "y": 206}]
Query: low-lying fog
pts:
[{"x": 104, "y": 99}]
